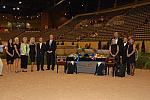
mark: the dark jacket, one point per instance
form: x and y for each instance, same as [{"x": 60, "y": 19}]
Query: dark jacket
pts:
[
  {"x": 52, "y": 47},
  {"x": 42, "y": 50},
  {"x": 124, "y": 56}
]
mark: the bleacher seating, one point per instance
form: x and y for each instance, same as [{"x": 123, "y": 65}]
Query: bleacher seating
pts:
[
  {"x": 97, "y": 26},
  {"x": 125, "y": 21}
]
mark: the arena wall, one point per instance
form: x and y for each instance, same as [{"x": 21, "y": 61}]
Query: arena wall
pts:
[{"x": 68, "y": 48}]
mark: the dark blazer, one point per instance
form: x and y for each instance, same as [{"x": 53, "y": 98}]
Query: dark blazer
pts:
[
  {"x": 124, "y": 56},
  {"x": 51, "y": 56},
  {"x": 52, "y": 47},
  {"x": 42, "y": 50},
  {"x": 120, "y": 43}
]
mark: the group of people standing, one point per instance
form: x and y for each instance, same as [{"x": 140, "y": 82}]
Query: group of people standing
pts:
[
  {"x": 123, "y": 50},
  {"x": 16, "y": 50}
]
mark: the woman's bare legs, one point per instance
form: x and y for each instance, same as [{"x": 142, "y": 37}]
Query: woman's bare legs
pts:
[
  {"x": 32, "y": 66},
  {"x": 16, "y": 65},
  {"x": 132, "y": 69}
]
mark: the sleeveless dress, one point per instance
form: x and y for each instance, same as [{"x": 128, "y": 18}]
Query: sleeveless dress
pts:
[
  {"x": 15, "y": 53},
  {"x": 9, "y": 59},
  {"x": 131, "y": 59},
  {"x": 114, "y": 51},
  {"x": 32, "y": 52}
]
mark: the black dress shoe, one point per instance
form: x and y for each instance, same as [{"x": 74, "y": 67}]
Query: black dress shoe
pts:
[
  {"x": 1, "y": 75},
  {"x": 47, "y": 69}
]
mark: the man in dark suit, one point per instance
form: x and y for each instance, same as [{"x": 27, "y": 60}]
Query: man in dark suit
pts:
[
  {"x": 125, "y": 46},
  {"x": 50, "y": 49},
  {"x": 41, "y": 48},
  {"x": 119, "y": 42},
  {"x": 124, "y": 56}
]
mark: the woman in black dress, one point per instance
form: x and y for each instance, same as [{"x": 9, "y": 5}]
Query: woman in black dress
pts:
[
  {"x": 114, "y": 50},
  {"x": 17, "y": 54},
  {"x": 32, "y": 52},
  {"x": 10, "y": 54},
  {"x": 131, "y": 56}
]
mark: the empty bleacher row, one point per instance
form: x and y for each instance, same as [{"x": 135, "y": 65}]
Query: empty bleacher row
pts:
[
  {"x": 142, "y": 32},
  {"x": 97, "y": 26},
  {"x": 126, "y": 22},
  {"x": 4, "y": 36}
]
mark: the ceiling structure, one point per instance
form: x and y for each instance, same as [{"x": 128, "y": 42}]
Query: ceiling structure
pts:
[{"x": 70, "y": 7}]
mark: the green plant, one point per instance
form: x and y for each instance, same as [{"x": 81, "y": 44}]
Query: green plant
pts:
[
  {"x": 143, "y": 58},
  {"x": 138, "y": 46},
  {"x": 147, "y": 65}
]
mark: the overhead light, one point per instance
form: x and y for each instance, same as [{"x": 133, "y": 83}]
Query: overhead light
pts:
[
  {"x": 82, "y": 5},
  {"x": 69, "y": 2},
  {"x": 18, "y": 8},
  {"x": 65, "y": 13},
  {"x": 14, "y": 8},
  {"x": 20, "y": 2},
  {"x": 4, "y": 7}
]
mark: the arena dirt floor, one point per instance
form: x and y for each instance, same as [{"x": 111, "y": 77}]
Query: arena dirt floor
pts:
[{"x": 49, "y": 85}]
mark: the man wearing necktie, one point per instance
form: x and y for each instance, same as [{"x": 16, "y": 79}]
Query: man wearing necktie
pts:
[
  {"x": 50, "y": 49},
  {"x": 124, "y": 56},
  {"x": 125, "y": 46},
  {"x": 40, "y": 54}
]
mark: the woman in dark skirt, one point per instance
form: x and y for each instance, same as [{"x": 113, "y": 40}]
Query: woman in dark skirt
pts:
[
  {"x": 32, "y": 52},
  {"x": 17, "y": 54},
  {"x": 114, "y": 50},
  {"x": 131, "y": 56},
  {"x": 10, "y": 54}
]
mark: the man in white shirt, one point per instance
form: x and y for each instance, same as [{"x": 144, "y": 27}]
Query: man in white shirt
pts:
[
  {"x": 40, "y": 51},
  {"x": 125, "y": 46},
  {"x": 50, "y": 49},
  {"x": 124, "y": 56}
]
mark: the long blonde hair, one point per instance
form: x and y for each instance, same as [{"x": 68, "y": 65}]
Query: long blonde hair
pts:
[{"x": 16, "y": 39}]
